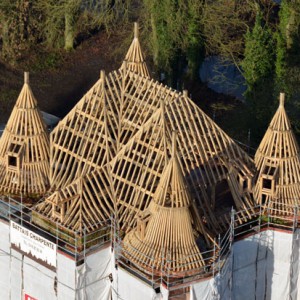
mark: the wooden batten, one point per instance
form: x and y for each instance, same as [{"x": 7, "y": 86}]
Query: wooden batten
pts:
[
  {"x": 278, "y": 164},
  {"x": 24, "y": 148}
]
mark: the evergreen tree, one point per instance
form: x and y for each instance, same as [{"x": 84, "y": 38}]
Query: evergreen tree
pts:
[
  {"x": 258, "y": 63},
  {"x": 18, "y": 28},
  {"x": 258, "y": 68},
  {"x": 175, "y": 31}
]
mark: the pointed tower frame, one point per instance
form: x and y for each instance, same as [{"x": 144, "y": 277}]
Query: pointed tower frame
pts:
[
  {"x": 277, "y": 160},
  {"x": 24, "y": 148}
]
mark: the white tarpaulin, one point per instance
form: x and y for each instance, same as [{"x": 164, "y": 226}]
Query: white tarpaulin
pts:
[
  {"x": 93, "y": 276},
  {"x": 129, "y": 287},
  {"x": 4, "y": 261},
  {"x": 204, "y": 290},
  {"x": 263, "y": 266},
  {"x": 66, "y": 285},
  {"x": 36, "y": 278}
]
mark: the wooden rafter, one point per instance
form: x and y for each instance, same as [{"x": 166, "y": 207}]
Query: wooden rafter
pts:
[
  {"x": 278, "y": 163},
  {"x": 24, "y": 148}
]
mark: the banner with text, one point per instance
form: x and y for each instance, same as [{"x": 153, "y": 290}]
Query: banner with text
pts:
[{"x": 33, "y": 245}]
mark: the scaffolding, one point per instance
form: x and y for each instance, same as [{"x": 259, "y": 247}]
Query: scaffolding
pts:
[{"x": 78, "y": 245}]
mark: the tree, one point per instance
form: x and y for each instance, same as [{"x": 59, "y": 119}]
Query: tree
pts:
[
  {"x": 224, "y": 26},
  {"x": 175, "y": 30},
  {"x": 287, "y": 57},
  {"x": 259, "y": 54},
  {"x": 18, "y": 27},
  {"x": 258, "y": 70},
  {"x": 64, "y": 20}
]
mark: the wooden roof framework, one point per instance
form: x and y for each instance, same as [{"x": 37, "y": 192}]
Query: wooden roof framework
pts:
[
  {"x": 111, "y": 153},
  {"x": 137, "y": 166},
  {"x": 24, "y": 148}
]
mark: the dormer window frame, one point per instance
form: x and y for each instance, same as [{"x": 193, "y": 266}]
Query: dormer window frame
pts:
[{"x": 14, "y": 155}]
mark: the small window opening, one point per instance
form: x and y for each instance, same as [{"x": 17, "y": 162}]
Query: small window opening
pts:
[
  {"x": 12, "y": 161},
  {"x": 267, "y": 184}
]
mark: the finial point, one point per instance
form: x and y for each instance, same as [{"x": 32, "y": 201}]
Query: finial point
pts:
[
  {"x": 282, "y": 96},
  {"x": 136, "y": 30},
  {"x": 185, "y": 93},
  {"x": 26, "y": 77},
  {"x": 102, "y": 74}
]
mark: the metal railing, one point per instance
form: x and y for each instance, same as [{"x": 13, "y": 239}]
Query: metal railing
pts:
[
  {"x": 79, "y": 245},
  {"x": 75, "y": 244}
]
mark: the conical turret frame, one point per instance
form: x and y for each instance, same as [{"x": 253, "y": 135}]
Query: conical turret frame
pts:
[
  {"x": 164, "y": 241},
  {"x": 24, "y": 148},
  {"x": 278, "y": 163}
]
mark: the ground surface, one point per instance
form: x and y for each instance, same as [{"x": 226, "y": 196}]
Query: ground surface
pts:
[{"x": 59, "y": 88}]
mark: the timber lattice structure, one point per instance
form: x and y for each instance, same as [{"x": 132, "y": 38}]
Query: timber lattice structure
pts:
[
  {"x": 24, "y": 149},
  {"x": 108, "y": 154},
  {"x": 278, "y": 161},
  {"x": 140, "y": 153}
]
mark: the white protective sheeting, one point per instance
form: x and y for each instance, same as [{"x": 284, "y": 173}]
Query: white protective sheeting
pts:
[
  {"x": 164, "y": 293},
  {"x": 66, "y": 268},
  {"x": 295, "y": 268},
  {"x": 129, "y": 287},
  {"x": 4, "y": 261},
  {"x": 261, "y": 268},
  {"x": 92, "y": 277},
  {"x": 204, "y": 290},
  {"x": 15, "y": 273},
  {"x": 36, "y": 279}
]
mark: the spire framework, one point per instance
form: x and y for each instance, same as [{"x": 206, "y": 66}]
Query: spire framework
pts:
[
  {"x": 164, "y": 241},
  {"x": 134, "y": 57},
  {"x": 24, "y": 148},
  {"x": 278, "y": 163}
]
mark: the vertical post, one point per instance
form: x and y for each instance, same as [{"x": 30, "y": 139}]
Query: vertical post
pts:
[
  {"x": 281, "y": 99},
  {"x": 75, "y": 236},
  {"x": 84, "y": 243},
  {"x": 295, "y": 223},
  {"x": 21, "y": 209},
  {"x": 268, "y": 215},
  {"x": 152, "y": 268},
  {"x": 214, "y": 259},
  {"x": 9, "y": 212},
  {"x": 232, "y": 227},
  {"x": 26, "y": 77},
  {"x": 56, "y": 223},
  {"x": 219, "y": 254},
  {"x": 259, "y": 218},
  {"x": 136, "y": 30}
]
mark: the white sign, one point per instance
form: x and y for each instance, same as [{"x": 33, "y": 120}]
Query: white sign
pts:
[{"x": 32, "y": 244}]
